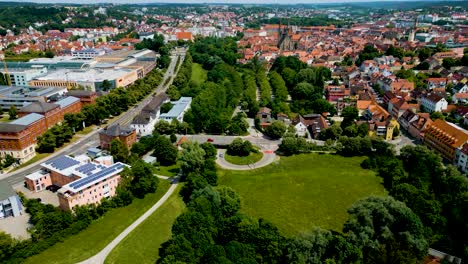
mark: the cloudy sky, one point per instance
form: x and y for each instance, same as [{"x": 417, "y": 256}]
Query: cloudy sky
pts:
[{"x": 202, "y": 1}]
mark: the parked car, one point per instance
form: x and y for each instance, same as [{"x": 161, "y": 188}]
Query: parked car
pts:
[{"x": 210, "y": 140}]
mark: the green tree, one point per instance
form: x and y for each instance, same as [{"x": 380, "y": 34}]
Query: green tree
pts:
[
  {"x": 106, "y": 85},
  {"x": 118, "y": 150},
  {"x": 437, "y": 115},
  {"x": 192, "y": 157},
  {"x": 7, "y": 245},
  {"x": 276, "y": 129},
  {"x": 166, "y": 107},
  {"x": 173, "y": 138},
  {"x": 143, "y": 180},
  {"x": 163, "y": 128},
  {"x": 12, "y": 113},
  {"x": 165, "y": 151},
  {"x": 239, "y": 147},
  {"x": 349, "y": 114},
  {"x": 378, "y": 224},
  {"x": 210, "y": 150}
]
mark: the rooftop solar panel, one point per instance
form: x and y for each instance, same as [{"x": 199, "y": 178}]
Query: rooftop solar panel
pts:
[
  {"x": 107, "y": 171},
  {"x": 62, "y": 162}
]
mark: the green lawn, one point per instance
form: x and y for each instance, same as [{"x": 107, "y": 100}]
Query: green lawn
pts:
[
  {"x": 303, "y": 191},
  {"x": 199, "y": 75},
  {"x": 251, "y": 158},
  {"x": 4, "y": 119},
  {"x": 85, "y": 130},
  {"x": 93, "y": 239},
  {"x": 142, "y": 244},
  {"x": 169, "y": 171}
]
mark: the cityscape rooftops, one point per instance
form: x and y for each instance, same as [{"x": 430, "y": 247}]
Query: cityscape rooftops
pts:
[
  {"x": 67, "y": 101},
  {"x": 38, "y": 107},
  {"x": 89, "y": 75},
  {"x": 178, "y": 108}
]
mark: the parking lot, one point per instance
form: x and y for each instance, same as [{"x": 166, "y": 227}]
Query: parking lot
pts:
[{"x": 45, "y": 196}]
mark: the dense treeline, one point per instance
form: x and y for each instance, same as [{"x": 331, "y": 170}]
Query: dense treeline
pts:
[
  {"x": 212, "y": 229},
  {"x": 263, "y": 87},
  {"x": 316, "y": 20},
  {"x": 438, "y": 194},
  {"x": 116, "y": 102},
  {"x": 304, "y": 84},
  {"x": 52, "y": 225},
  {"x": 156, "y": 44},
  {"x": 249, "y": 99},
  {"x": 215, "y": 100},
  {"x": 24, "y": 16},
  {"x": 211, "y": 51}
]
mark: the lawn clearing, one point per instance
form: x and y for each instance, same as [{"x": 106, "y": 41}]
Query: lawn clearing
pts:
[
  {"x": 199, "y": 75},
  {"x": 303, "y": 191},
  {"x": 100, "y": 233},
  {"x": 169, "y": 171},
  {"x": 142, "y": 244},
  {"x": 250, "y": 159}
]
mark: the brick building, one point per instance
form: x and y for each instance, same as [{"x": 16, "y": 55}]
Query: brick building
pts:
[
  {"x": 126, "y": 134},
  {"x": 18, "y": 138},
  {"x": 86, "y": 97},
  {"x": 335, "y": 93}
]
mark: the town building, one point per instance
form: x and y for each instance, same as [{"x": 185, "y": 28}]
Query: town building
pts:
[
  {"x": 461, "y": 158},
  {"x": 178, "y": 110},
  {"x": 415, "y": 123},
  {"x": 87, "y": 54},
  {"x": 18, "y": 138},
  {"x": 86, "y": 97},
  {"x": 445, "y": 138},
  {"x": 81, "y": 180},
  {"x": 434, "y": 103},
  {"x": 144, "y": 122},
  {"x": 10, "y": 203},
  {"x": 334, "y": 93},
  {"x": 125, "y": 134},
  {"x": 22, "y": 76},
  {"x": 264, "y": 116},
  {"x": 19, "y": 96}
]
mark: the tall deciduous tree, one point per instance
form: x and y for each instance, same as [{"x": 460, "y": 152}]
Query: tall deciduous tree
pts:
[
  {"x": 118, "y": 150},
  {"x": 382, "y": 224},
  {"x": 165, "y": 151}
]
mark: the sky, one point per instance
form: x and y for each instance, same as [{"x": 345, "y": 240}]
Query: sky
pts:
[{"x": 204, "y": 1}]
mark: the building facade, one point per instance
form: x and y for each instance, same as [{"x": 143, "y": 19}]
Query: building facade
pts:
[
  {"x": 445, "y": 138},
  {"x": 125, "y": 134}
]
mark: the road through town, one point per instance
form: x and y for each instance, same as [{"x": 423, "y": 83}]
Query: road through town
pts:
[{"x": 92, "y": 139}]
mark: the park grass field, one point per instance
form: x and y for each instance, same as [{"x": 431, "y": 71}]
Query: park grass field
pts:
[
  {"x": 142, "y": 244},
  {"x": 303, "y": 191},
  {"x": 168, "y": 171},
  {"x": 251, "y": 158},
  {"x": 199, "y": 75},
  {"x": 93, "y": 239}
]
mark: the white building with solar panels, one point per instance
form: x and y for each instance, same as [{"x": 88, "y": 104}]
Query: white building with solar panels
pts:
[{"x": 82, "y": 182}]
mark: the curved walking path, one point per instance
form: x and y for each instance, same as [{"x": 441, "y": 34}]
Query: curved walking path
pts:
[
  {"x": 100, "y": 257},
  {"x": 268, "y": 158}
]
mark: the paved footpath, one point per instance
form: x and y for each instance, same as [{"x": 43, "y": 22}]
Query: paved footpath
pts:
[{"x": 100, "y": 257}]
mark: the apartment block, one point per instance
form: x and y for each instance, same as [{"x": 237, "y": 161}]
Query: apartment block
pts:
[{"x": 445, "y": 138}]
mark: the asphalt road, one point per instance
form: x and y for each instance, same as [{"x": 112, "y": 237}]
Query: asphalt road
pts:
[
  {"x": 268, "y": 158},
  {"x": 92, "y": 139}
]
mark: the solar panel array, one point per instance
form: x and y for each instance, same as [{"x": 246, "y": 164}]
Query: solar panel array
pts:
[
  {"x": 87, "y": 168},
  {"x": 84, "y": 181},
  {"x": 62, "y": 162}
]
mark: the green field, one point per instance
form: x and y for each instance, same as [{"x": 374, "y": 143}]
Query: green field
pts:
[
  {"x": 142, "y": 244},
  {"x": 94, "y": 238},
  {"x": 303, "y": 191},
  {"x": 199, "y": 75},
  {"x": 251, "y": 158}
]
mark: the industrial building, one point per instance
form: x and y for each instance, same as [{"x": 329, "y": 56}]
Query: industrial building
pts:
[{"x": 178, "y": 110}]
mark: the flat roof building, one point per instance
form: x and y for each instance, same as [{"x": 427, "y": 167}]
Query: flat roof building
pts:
[
  {"x": 178, "y": 110},
  {"x": 21, "y": 96}
]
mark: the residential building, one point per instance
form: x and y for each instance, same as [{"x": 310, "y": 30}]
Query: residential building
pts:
[
  {"x": 144, "y": 122},
  {"x": 315, "y": 123},
  {"x": 460, "y": 98},
  {"x": 461, "y": 158},
  {"x": 87, "y": 54},
  {"x": 415, "y": 124},
  {"x": 126, "y": 134},
  {"x": 178, "y": 110},
  {"x": 10, "y": 203},
  {"x": 300, "y": 126},
  {"x": 264, "y": 116},
  {"x": 334, "y": 93},
  {"x": 434, "y": 103},
  {"x": 437, "y": 84},
  {"x": 397, "y": 106},
  {"x": 18, "y": 138},
  {"x": 445, "y": 138},
  {"x": 396, "y": 85},
  {"x": 81, "y": 180}
]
